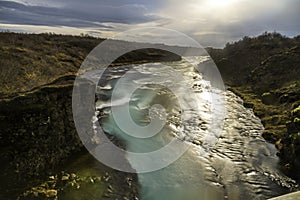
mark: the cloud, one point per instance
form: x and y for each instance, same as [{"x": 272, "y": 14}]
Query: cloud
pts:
[
  {"x": 73, "y": 14},
  {"x": 210, "y": 22},
  {"x": 214, "y": 24}
]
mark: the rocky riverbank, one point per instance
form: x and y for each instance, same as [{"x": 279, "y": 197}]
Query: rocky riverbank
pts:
[
  {"x": 265, "y": 72},
  {"x": 84, "y": 178},
  {"x": 37, "y": 130},
  {"x": 38, "y": 137}
]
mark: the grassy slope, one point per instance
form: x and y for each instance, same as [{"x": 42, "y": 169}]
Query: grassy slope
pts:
[
  {"x": 265, "y": 72},
  {"x": 31, "y": 60},
  {"x": 28, "y": 61}
]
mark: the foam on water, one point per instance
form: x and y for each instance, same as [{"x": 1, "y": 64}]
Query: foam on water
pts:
[{"x": 239, "y": 163}]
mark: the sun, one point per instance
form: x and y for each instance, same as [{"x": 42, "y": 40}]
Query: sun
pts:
[{"x": 221, "y": 2}]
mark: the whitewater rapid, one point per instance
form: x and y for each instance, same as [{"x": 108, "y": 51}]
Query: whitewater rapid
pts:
[{"x": 234, "y": 163}]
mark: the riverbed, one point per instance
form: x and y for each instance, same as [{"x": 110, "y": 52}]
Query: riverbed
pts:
[{"x": 235, "y": 163}]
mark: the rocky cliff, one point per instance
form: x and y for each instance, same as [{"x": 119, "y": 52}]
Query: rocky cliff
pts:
[{"x": 36, "y": 128}]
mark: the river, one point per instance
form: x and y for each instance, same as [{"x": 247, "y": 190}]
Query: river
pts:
[{"x": 239, "y": 165}]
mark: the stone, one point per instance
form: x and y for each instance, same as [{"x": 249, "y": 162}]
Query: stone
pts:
[
  {"x": 51, "y": 193},
  {"x": 73, "y": 176},
  {"x": 65, "y": 177},
  {"x": 278, "y": 144}
]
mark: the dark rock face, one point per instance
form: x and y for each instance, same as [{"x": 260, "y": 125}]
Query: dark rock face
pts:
[
  {"x": 37, "y": 136},
  {"x": 37, "y": 130}
]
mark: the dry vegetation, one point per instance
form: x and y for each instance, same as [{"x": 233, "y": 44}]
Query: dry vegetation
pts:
[{"x": 31, "y": 60}]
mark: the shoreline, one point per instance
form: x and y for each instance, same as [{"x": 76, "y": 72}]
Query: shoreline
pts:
[
  {"x": 273, "y": 133},
  {"x": 37, "y": 129},
  {"x": 264, "y": 71}
]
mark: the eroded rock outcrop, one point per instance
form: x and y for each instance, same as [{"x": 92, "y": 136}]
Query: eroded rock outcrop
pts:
[{"x": 37, "y": 129}]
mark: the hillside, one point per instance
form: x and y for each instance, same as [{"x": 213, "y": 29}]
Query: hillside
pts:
[
  {"x": 37, "y": 131},
  {"x": 265, "y": 72},
  {"x": 31, "y": 60}
]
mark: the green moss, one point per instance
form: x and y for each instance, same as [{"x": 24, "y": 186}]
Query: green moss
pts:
[
  {"x": 68, "y": 187},
  {"x": 296, "y": 112},
  {"x": 87, "y": 190}
]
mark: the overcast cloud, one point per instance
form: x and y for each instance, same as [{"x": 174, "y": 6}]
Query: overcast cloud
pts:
[{"x": 210, "y": 22}]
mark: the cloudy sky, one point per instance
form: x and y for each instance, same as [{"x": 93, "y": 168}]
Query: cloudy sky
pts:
[{"x": 210, "y": 22}]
